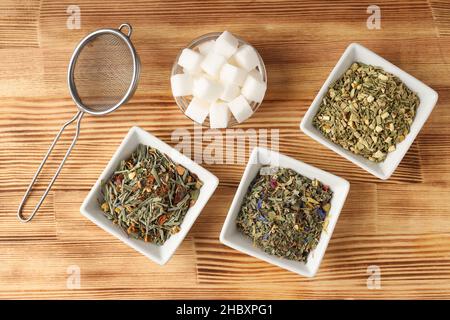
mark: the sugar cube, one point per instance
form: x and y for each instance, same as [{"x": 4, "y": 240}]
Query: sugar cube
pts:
[
  {"x": 181, "y": 85},
  {"x": 230, "y": 91},
  {"x": 246, "y": 57},
  {"x": 232, "y": 74},
  {"x": 207, "y": 89},
  {"x": 226, "y": 44},
  {"x": 219, "y": 115},
  {"x": 207, "y": 76},
  {"x": 256, "y": 74},
  {"x": 240, "y": 108},
  {"x": 193, "y": 72},
  {"x": 232, "y": 61},
  {"x": 197, "y": 110},
  {"x": 212, "y": 63},
  {"x": 253, "y": 89},
  {"x": 206, "y": 47},
  {"x": 190, "y": 60}
]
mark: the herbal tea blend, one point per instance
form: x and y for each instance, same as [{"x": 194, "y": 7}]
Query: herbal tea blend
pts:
[
  {"x": 367, "y": 111},
  {"x": 149, "y": 194},
  {"x": 284, "y": 212}
]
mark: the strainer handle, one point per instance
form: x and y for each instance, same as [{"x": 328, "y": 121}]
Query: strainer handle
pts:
[
  {"x": 77, "y": 118},
  {"x": 126, "y": 26}
]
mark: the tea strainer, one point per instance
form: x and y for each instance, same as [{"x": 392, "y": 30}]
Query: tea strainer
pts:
[{"x": 103, "y": 74}]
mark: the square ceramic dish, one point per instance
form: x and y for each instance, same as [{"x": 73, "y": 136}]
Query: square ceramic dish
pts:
[
  {"x": 91, "y": 208},
  {"x": 233, "y": 238},
  {"x": 428, "y": 98}
]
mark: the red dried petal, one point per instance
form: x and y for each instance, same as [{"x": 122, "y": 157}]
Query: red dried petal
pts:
[{"x": 118, "y": 179}]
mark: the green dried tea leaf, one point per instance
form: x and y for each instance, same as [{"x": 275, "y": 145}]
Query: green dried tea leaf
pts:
[{"x": 367, "y": 111}]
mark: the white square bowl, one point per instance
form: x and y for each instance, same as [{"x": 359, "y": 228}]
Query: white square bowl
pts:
[
  {"x": 428, "y": 98},
  {"x": 232, "y": 237},
  {"x": 91, "y": 208}
]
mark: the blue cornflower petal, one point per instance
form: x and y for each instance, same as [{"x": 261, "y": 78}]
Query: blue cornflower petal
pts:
[
  {"x": 259, "y": 205},
  {"x": 321, "y": 213},
  {"x": 261, "y": 218}
]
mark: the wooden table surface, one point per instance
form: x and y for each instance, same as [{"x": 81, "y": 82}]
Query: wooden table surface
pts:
[{"x": 401, "y": 225}]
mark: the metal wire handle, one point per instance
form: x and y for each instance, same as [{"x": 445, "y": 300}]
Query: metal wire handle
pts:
[
  {"x": 119, "y": 65},
  {"x": 78, "y": 118}
]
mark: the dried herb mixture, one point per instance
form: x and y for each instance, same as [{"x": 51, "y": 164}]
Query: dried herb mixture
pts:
[
  {"x": 284, "y": 212},
  {"x": 149, "y": 194},
  {"x": 367, "y": 111}
]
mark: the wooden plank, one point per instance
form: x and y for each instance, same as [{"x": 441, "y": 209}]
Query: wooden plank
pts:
[
  {"x": 222, "y": 11},
  {"x": 397, "y": 257},
  {"x": 441, "y": 15},
  {"x": 104, "y": 264},
  {"x": 296, "y": 70},
  {"x": 23, "y": 77},
  {"x": 434, "y": 142},
  {"x": 42, "y": 228},
  {"x": 400, "y": 225},
  {"x": 359, "y": 213},
  {"x": 101, "y": 136},
  {"x": 424, "y": 212},
  {"x": 19, "y": 23}
]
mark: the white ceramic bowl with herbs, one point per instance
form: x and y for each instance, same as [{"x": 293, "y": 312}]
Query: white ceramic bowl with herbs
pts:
[
  {"x": 427, "y": 96},
  {"x": 234, "y": 238},
  {"x": 91, "y": 207}
]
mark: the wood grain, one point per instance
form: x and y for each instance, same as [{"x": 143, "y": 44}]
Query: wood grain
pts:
[
  {"x": 441, "y": 14},
  {"x": 400, "y": 225},
  {"x": 19, "y": 23}
]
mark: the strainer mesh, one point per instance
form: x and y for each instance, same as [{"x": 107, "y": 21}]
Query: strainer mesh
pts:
[{"x": 103, "y": 72}]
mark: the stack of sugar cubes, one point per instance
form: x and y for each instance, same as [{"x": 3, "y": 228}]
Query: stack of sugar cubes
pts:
[{"x": 221, "y": 77}]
